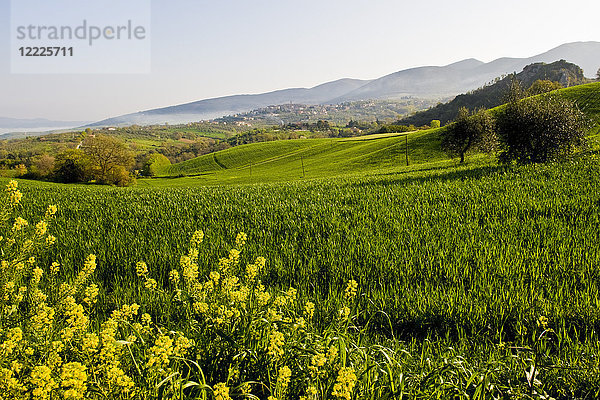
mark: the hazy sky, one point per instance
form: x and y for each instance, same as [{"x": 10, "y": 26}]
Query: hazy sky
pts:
[{"x": 202, "y": 49}]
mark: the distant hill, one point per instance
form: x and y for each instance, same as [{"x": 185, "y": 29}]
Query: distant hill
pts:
[
  {"x": 418, "y": 83},
  {"x": 563, "y": 72},
  {"x": 230, "y": 105},
  {"x": 14, "y": 127}
]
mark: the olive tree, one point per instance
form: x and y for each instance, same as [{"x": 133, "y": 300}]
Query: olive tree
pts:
[
  {"x": 469, "y": 131},
  {"x": 540, "y": 129}
]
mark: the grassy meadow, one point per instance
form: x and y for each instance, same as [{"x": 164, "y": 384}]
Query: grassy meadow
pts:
[{"x": 435, "y": 280}]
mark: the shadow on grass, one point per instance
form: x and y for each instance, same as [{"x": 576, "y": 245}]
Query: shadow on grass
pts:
[{"x": 433, "y": 174}]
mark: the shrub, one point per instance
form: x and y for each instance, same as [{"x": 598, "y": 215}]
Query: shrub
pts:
[
  {"x": 470, "y": 131},
  {"x": 154, "y": 163},
  {"x": 72, "y": 166},
  {"x": 540, "y": 129}
]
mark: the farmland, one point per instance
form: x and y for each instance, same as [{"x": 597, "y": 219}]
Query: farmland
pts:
[
  {"x": 476, "y": 253},
  {"x": 433, "y": 280}
]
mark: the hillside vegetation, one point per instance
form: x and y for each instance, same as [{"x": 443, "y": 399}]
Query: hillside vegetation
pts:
[
  {"x": 283, "y": 160},
  {"x": 562, "y": 72}
]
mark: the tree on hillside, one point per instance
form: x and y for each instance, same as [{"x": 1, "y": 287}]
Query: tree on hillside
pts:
[
  {"x": 598, "y": 75},
  {"x": 154, "y": 163},
  {"x": 106, "y": 154},
  {"x": 43, "y": 165},
  {"x": 540, "y": 129},
  {"x": 470, "y": 131},
  {"x": 435, "y": 124},
  {"x": 543, "y": 86},
  {"x": 71, "y": 166}
]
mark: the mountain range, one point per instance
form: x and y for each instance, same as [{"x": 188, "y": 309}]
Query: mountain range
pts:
[{"x": 422, "y": 82}]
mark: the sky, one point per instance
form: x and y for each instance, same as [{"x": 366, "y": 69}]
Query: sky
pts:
[{"x": 200, "y": 49}]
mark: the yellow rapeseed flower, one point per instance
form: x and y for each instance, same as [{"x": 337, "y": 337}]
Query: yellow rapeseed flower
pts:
[
  {"x": 73, "y": 379},
  {"x": 174, "y": 277},
  {"x": 150, "y": 284},
  {"x": 240, "y": 240},
  {"x": 91, "y": 294},
  {"x": 285, "y": 375},
  {"x": 51, "y": 211},
  {"x": 43, "y": 382},
  {"x": 221, "y": 392},
  {"x": 141, "y": 269},
  {"x": 197, "y": 238},
  {"x": 309, "y": 310},
  {"x": 276, "y": 343},
  {"x": 41, "y": 228},
  {"x": 50, "y": 240},
  {"x": 19, "y": 224},
  {"x": 344, "y": 385},
  {"x": 351, "y": 289}
]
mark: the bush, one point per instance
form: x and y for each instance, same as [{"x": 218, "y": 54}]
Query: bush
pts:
[
  {"x": 470, "y": 131},
  {"x": 540, "y": 129},
  {"x": 154, "y": 163},
  {"x": 72, "y": 166}
]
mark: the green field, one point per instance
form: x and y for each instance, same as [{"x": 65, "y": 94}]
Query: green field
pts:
[
  {"x": 293, "y": 160},
  {"x": 475, "y": 281}
]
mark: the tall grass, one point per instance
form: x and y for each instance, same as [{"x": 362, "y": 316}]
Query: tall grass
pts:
[{"x": 456, "y": 265}]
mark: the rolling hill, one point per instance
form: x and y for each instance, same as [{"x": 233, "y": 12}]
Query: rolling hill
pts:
[
  {"x": 287, "y": 160},
  {"x": 312, "y": 158},
  {"x": 422, "y": 82}
]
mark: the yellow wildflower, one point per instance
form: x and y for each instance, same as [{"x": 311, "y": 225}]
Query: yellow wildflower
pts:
[
  {"x": 161, "y": 351},
  {"x": 309, "y": 310},
  {"x": 37, "y": 275},
  {"x": 19, "y": 224},
  {"x": 240, "y": 240},
  {"x": 55, "y": 267},
  {"x": 344, "y": 385},
  {"x": 91, "y": 294},
  {"x": 150, "y": 284},
  {"x": 50, "y": 240},
  {"x": 43, "y": 383},
  {"x": 221, "y": 392},
  {"x": 351, "y": 289},
  {"x": 51, "y": 210},
  {"x": 197, "y": 238},
  {"x": 344, "y": 313},
  {"x": 141, "y": 269},
  {"x": 73, "y": 379},
  {"x": 276, "y": 343},
  {"x": 285, "y": 375},
  {"x": 41, "y": 228},
  {"x": 332, "y": 354},
  {"x": 90, "y": 342},
  {"x": 174, "y": 277}
]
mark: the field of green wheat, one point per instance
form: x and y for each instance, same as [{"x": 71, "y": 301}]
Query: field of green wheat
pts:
[{"x": 357, "y": 278}]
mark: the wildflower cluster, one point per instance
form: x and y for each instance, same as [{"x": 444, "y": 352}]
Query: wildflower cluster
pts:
[
  {"x": 53, "y": 344},
  {"x": 48, "y": 346}
]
